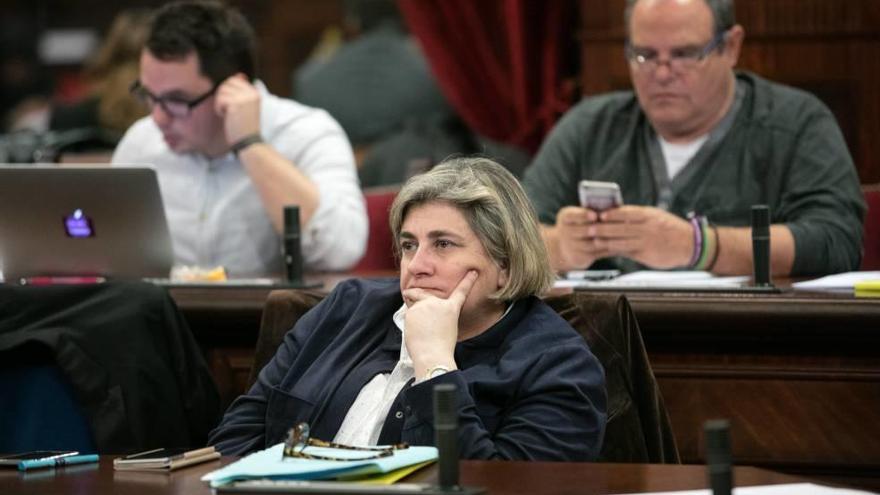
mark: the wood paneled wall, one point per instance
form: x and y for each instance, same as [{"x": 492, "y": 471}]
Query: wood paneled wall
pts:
[
  {"x": 287, "y": 32},
  {"x": 828, "y": 47}
]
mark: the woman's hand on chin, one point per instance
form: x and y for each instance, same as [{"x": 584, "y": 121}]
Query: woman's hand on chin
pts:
[{"x": 432, "y": 325}]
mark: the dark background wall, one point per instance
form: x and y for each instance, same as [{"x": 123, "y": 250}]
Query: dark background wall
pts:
[{"x": 828, "y": 47}]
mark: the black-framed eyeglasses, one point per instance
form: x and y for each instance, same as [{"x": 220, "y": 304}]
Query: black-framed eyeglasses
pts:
[
  {"x": 299, "y": 439},
  {"x": 173, "y": 106},
  {"x": 680, "y": 59}
]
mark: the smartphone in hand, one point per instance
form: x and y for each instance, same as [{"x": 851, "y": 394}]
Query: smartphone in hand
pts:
[{"x": 599, "y": 196}]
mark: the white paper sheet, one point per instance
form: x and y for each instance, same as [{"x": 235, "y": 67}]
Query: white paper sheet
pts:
[
  {"x": 785, "y": 489},
  {"x": 269, "y": 463},
  {"x": 838, "y": 281},
  {"x": 659, "y": 279}
]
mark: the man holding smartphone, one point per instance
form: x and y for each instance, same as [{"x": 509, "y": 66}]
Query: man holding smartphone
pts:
[
  {"x": 230, "y": 155},
  {"x": 692, "y": 149}
]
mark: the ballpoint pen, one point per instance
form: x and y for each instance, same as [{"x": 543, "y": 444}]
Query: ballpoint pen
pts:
[
  {"x": 61, "y": 280},
  {"x": 60, "y": 461}
]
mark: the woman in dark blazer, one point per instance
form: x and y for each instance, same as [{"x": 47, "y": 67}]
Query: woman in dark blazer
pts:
[{"x": 360, "y": 367}]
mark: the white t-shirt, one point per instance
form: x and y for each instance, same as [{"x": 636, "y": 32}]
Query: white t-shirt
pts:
[{"x": 677, "y": 155}]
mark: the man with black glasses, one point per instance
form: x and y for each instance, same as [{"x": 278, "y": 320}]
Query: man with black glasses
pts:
[
  {"x": 230, "y": 156},
  {"x": 692, "y": 149}
]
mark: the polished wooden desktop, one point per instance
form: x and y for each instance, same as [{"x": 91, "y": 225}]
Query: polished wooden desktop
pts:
[
  {"x": 797, "y": 373},
  {"x": 499, "y": 477}
]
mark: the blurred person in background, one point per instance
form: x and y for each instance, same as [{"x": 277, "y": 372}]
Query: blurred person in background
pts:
[
  {"x": 109, "y": 73},
  {"x": 379, "y": 86},
  {"x": 230, "y": 156},
  {"x": 25, "y": 85}
]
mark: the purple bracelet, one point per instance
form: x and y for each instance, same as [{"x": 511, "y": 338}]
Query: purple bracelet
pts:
[{"x": 698, "y": 241}]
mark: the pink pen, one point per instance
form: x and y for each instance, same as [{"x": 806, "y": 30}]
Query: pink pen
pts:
[{"x": 61, "y": 280}]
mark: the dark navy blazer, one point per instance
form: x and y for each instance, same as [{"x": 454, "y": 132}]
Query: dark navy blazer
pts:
[{"x": 528, "y": 387}]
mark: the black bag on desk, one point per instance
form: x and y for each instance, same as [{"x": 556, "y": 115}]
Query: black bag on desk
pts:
[{"x": 134, "y": 367}]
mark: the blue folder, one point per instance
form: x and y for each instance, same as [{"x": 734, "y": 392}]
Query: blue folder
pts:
[{"x": 270, "y": 464}]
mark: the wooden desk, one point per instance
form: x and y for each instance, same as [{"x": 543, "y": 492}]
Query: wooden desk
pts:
[
  {"x": 508, "y": 478},
  {"x": 797, "y": 373}
]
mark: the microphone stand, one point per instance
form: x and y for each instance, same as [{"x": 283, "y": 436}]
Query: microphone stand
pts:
[
  {"x": 718, "y": 456},
  {"x": 761, "y": 245},
  {"x": 446, "y": 439}
]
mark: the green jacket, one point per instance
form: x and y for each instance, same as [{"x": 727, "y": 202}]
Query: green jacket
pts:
[{"x": 784, "y": 149}]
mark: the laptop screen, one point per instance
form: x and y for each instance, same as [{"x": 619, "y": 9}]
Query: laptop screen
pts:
[{"x": 82, "y": 221}]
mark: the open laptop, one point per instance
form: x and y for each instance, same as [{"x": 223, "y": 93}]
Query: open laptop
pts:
[{"x": 84, "y": 221}]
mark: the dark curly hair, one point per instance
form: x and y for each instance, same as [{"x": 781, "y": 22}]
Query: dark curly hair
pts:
[{"x": 218, "y": 34}]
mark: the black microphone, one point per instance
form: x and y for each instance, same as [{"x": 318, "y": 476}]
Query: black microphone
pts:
[
  {"x": 718, "y": 456},
  {"x": 761, "y": 245},
  {"x": 291, "y": 249},
  {"x": 446, "y": 435}
]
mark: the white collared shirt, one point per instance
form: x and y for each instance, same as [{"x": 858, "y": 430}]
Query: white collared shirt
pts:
[
  {"x": 215, "y": 213},
  {"x": 364, "y": 420}
]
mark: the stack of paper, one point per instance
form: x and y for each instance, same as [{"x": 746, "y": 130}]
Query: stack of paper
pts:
[
  {"x": 270, "y": 464},
  {"x": 687, "y": 279},
  {"x": 842, "y": 281},
  {"x": 787, "y": 489}
]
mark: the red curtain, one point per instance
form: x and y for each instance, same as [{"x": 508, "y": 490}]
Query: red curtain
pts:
[{"x": 500, "y": 63}]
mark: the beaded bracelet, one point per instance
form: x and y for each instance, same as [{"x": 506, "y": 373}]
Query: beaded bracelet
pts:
[{"x": 698, "y": 241}]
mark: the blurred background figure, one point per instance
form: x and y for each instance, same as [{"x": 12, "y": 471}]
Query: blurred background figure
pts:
[
  {"x": 108, "y": 75},
  {"x": 82, "y": 115},
  {"x": 25, "y": 84},
  {"x": 374, "y": 79}
]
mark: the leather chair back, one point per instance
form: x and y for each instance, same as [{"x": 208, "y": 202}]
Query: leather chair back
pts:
[
  {"x": 638, "y": 427},
  {"x": 379, "y": 253},
  {"x": 871, "y": 239}
]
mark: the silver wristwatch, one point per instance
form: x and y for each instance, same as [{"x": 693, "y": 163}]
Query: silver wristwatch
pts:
[{"x": 435, "y": 371}]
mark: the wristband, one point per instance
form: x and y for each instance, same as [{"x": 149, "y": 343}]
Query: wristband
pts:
[
  {"x": 717, "y": 249},
  {"x": 245, "y": 142},
  {"x": 708, "y": 244},
  {"x": 698, "y": 241}
]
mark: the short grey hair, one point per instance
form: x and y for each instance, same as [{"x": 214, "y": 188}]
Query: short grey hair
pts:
[
  {"x": 723, "y": 14},
  {"x": 496, "y": 209}
]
